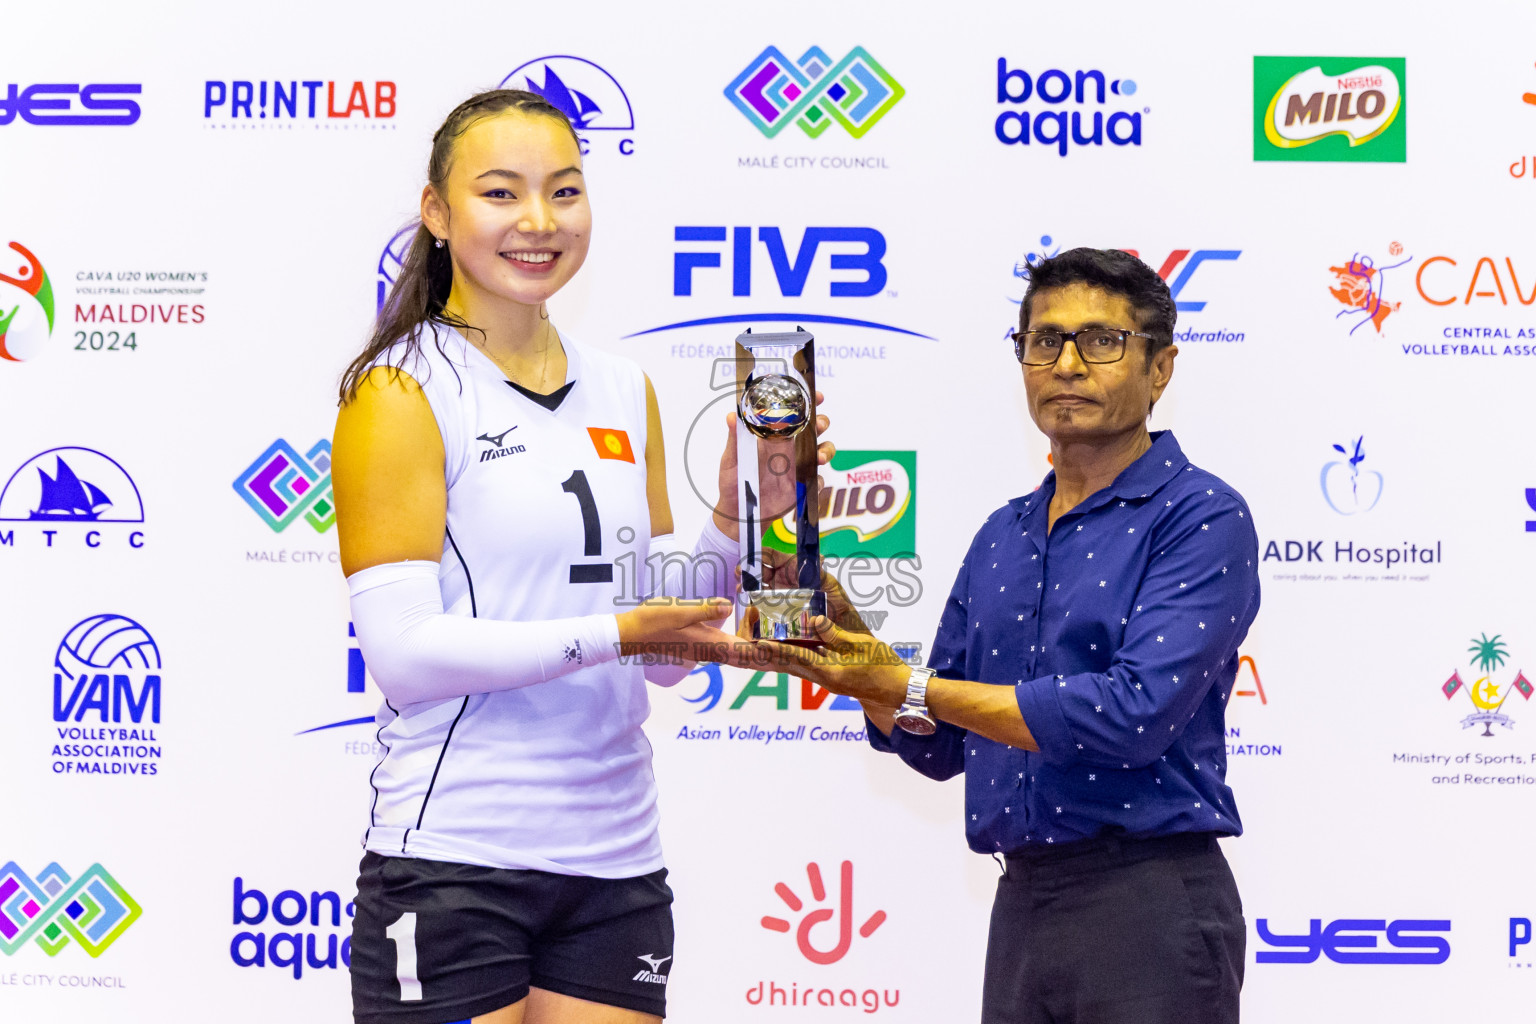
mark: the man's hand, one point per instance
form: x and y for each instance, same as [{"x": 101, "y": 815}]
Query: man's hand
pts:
[
  {"x": 853, "y": 664},
  {"x": 775, "y": 475}
]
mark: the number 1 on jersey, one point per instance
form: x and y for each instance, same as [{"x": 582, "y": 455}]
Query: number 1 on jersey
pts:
[
  {"x": 403, "y": 934},
  {"x": 592, "y": 530}
]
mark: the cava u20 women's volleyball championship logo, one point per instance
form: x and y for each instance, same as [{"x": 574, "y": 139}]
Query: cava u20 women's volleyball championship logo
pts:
[
  {"x": 26, "y": 306},
  {"x": 1488, "y": 655}
]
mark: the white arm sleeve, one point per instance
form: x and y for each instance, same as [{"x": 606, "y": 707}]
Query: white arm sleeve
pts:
[
  {"x": 709, "y": 572},
  {"x": 416, "y": 652}
]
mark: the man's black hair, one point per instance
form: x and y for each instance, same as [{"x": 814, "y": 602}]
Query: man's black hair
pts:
[{"x": 1116, "y": 272}]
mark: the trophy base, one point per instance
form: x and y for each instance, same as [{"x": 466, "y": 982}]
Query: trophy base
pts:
[{"x": 784, "y": 616}]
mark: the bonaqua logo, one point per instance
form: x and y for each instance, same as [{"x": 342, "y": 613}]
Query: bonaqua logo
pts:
[
  {"x": 1073, "y": 114},
  {"x": 26, "y": 308},
  {"x": 52, "y": 909},
  {"x": 813, "y": 93}
]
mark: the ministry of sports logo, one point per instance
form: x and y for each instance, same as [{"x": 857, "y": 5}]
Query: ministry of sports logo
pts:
[
  {"x": 1488, "y": 655},
  {"x": 813, "y": 92},
  {"x": 282, "y": 485},
  {"x": 26, "y": 307},
  {"x": 51, "y": 909}
]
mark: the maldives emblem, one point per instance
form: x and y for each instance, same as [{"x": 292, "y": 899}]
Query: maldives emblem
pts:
[{"x": 1488, "y": 697}]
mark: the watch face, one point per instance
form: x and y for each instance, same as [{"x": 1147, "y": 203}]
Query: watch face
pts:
[{"x": 916, "y": 723}]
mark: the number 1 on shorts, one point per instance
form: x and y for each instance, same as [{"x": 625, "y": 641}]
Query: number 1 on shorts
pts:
[{"x": 403, "y": 934}]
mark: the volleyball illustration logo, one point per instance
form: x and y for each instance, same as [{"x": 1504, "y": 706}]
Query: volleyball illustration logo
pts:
[
  {"x": 106, "y": 641},
  {"x": 26, "y": 305}
]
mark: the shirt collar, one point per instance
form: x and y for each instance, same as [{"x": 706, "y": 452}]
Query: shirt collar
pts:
[{"x": 1152, "y": 470}]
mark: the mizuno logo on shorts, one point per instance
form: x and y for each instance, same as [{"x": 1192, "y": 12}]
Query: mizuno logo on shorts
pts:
[{"x": 650, "y": 974}]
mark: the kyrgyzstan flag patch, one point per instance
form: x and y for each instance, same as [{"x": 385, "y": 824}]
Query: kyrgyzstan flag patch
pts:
[{"x": 611, "y": 443}]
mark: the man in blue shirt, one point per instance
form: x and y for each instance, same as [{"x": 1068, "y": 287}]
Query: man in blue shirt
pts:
[{"x": 1080, "y": 678}]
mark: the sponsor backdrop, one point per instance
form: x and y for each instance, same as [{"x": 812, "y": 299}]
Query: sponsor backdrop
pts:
[{"x": 204, "y": 209}]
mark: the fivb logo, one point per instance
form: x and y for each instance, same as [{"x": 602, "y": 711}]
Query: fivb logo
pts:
[
  {"x": 282, "y": 485},
  {"x": 813, "y": 93},
  {"x": 93, "y": 910},
  {"x": 791, "y": 275}
]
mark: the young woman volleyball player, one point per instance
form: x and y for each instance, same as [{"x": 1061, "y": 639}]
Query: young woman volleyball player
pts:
[{"x": 487, "y": 472}]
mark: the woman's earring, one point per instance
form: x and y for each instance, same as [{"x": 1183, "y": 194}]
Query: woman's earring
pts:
[{"x": 438, "y": 243}]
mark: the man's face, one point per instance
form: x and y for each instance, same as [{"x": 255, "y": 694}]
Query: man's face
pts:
[{"x": 1073, "y": 401}]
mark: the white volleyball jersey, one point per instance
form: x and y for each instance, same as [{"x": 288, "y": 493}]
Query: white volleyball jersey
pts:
[{"x": 555, "y": 776}]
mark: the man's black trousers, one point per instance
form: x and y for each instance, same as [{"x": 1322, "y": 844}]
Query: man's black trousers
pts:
[{"x": 1116, "y": 931}]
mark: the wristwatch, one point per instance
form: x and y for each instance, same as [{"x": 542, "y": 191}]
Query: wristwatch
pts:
[{"x": 913, "y": 715}]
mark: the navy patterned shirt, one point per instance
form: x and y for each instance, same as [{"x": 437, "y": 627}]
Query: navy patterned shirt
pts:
[{"x": 1118, "y": 630}]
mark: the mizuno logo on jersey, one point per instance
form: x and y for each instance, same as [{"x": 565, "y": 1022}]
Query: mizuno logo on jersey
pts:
[
  {"x": 649, "y": 974},
  {"x": 573, "y": 653},
  {"x": 501, "y": 448}
]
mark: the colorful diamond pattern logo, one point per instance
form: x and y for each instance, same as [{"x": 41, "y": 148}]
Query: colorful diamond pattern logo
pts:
[
  {"x": 282, "y": 485},
  {"x": 813, "y": 93},
  {"x": 52, "y": 909}
]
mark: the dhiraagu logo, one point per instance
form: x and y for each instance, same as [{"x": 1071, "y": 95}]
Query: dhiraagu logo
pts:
[
  {"x": 1330, "y": 108},
  {"x": 868, "y": 507}
]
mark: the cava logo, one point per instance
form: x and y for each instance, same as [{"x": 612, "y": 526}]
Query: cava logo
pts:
[
  {"x": 52, "y": 909},
  {"x": 813, "y": 93},
  {"x": 1314, "y": 108},
  {"x": 1488, "y": 655},
  {"x": 26, "y": 306},
  {"x": 868, "y": 507},
  {"x": 282, "y": 485},
  {"x": 1360, "y": 286}
]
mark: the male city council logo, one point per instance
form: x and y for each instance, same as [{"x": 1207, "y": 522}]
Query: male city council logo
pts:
[
  {"x": 282, "y": 485},
  {"x": 53, "y": 909},
  {"x": 1330, "y": 108},
  {"x": 26, "y": 306},
  {"x": 1488, "y": 656},
  {"x": 1360, "y": 285},
  {"x": 71, "y": 485},
  {"x": 1347, "y": 488},
  {"x": 583, "y": 91},
  {"x": 868, "y": 507},
  {"x": 813, "y": 92}
]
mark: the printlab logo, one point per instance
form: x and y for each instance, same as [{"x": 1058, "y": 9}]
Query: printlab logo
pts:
[
  {"x": 1488, "y": 655},
  {"x": 1357, "y": 941},
  {"x": 1519, "y": 927},
  {"x": 282, "y": 485},
  {"x": 587, "y": 94},
  {"x": 1330, "y": 108},
  {"x": 1066, "y": 99},
  {"x": 868, "y": 507},
  {"x": 26, "y": 308},
  {"x": 93, "y": 910},
  {"x": 1347, "y": 488},
  {"x": 813, "y": 93},
  {"x": 106, "y": 699},
  {"x": 842, "y": 910},
  {"x": 55, "y": 105},
  {"x": 275, "y": 104},
  {"x": 1360, "y": 285},
  {"x": 1178, "y": 269}
]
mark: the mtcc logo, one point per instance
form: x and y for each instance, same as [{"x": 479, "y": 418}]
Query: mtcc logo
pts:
[
  {"x": 813, "y": 92},
  {"x": 282, "y": 485},
  {"x": 93, "y": 910},
  {"x": 1347, "y": 488},
  {"x": 26, "y": 307},
  {"x": 1488, "y": 655},
  {"x": 588, "y": 95},
  {"x": 71, "y": 485},
  {"x": 839, "y": 915}
]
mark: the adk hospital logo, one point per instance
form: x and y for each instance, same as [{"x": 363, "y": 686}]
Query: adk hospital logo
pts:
[
  {"x": 26, "y": 306},
  {"x": 52, "y": 910}
]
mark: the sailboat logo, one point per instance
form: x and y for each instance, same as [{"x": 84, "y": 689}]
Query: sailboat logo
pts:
[
  {"x": 591, "y": 97},
  {"x": 71, "y": 485}
]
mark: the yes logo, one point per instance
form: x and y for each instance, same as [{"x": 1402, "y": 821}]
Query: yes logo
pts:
[
  {"x": 1347, "y": 488},
  {"x": 841, "y": 911},
  {"x": 1354, "y": 941},
  {"x": 26, "y": 308}
]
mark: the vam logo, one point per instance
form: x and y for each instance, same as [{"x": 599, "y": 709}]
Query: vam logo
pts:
[
  {"x": 813, "y": 93},
  {"x": 106, "y": 699},
  {"x": 26, "y": 307},
  {"x": 391, "y": 262},
  {"x": 51, "y": 910},
  {"x": 1488, "y": 655},
  {"x": 1330, "y": 108},
  {"x": 1060, "y": 126},
  {"x": 587, "y": 94},
  {"x": 1347, "y": 488},
  {"x": 282, "y": 485}
]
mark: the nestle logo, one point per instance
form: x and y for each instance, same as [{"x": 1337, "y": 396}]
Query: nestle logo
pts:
[
  {"x": 1361, "y": 82},
  {"x": 872, "y": 476}
]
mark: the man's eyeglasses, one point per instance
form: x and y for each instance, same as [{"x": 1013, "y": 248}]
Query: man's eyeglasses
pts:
[{"x": 1094, "y": 345}]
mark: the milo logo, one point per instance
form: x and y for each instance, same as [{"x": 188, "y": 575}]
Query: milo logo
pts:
[
  {"x": 867, "y": 506},
  {"x": 1315, "y": 108}
]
